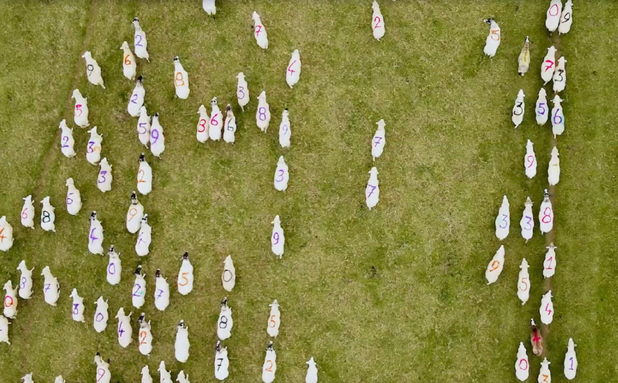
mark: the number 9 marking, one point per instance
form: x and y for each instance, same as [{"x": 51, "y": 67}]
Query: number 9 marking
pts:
[{"x": 494, "y": 266}]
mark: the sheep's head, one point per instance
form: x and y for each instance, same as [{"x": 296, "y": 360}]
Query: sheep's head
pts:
[
  {"x": 488, "y": 21},
  {"x": 185, "y": 256},
  {"x": 142, "y": 157},
  {"x": 202, "y": 109},
  {"x": 138, "y": 270},
  {"x": 176, "y": 59},
  {"x": 134, "y": 200},
  {"x": 213, "y": 102},
  {"x": 255, "y": 17},
  {"x": 139, "y": 80},
  {"x": 124, "y": 46},
  {"x": 218, "y": 346},
  {"x": 93, "y": 216},
  {"x": 240, "y": 76},
  {"x": 8, "y": 285},
  {"x": 158, "y": 273},
  {"x": 224, "y": 302},
  {"x": 270, "y": 346},
  {"x": 87, "y": 55}
]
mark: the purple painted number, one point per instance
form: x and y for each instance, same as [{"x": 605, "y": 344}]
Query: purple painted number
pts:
[
  {"x": 529, "y": 223},
  {"x": 137, "y": 292},
  {"x": 120, "y": 330},
  {"x": 90, "y": 146},
  {"x": 22, "y": 285},
  {"x": 99, "y": 317},
  {"x": 138, "y": 40},
  {"x": 65, "y": 140},
  {"x": 47, "y": 286},
  {"x": 154, "y": 136},
  {"x": 377, "y": 142},
  {"x": 373, "y": 188},
  {"x": 276, "y": 238},
  {"x": 141, "y": 125},
  {"x": 134, "y": 98},
  {"x": 92, "y": 237},
  {"x": 160, "y": 293},
  {"x": 280, "y": 173},
  {"x": 505, "y": 221},
  {"x": 75, "y": 308},
  {"x": 102, "y": 178},
  {"x": 111, "y": 268}
]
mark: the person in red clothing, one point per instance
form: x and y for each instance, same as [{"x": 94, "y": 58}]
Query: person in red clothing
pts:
[{"x": 536, "y": 339}]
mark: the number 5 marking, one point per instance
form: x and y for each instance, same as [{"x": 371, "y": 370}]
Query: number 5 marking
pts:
[
  {"x": 184, "y": 276},
  {"x": 523, "y": 281}
]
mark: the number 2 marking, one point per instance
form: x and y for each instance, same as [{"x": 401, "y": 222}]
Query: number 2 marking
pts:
[
  {"x": 65, "y": 140},
  {"x": 138, "y": 43},
  {"x": 142, "y": 336},
  {"x": 137, "y": 292},
  {"x": 377, "y": 20},
  {"x": 134, "y": 98},
  {"x": 269, "y": 368}
]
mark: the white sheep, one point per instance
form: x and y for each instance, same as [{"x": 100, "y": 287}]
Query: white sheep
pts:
[
  {"x": 503, "y": 220},
  {"x": 209, "y": 7},
  {"x": 269, "y": 368},
  {"x": 27, "y": 378},
  {"x": 379, "y": 140},
  {"x": 93, "y": 70},
  {"x": 162, "y": 292},
  {"x": 138, "y": 294},
  {"x": 215, "y": 124},
  {"x": 557, "y": 117},
  {"x": 48, "y": 217},
  {"x": 142, "y": 246},
  {"x": 140, "y": 43},
  {"x": 67, "y": 142},
  {"x": 544, "y": 373},
  {"x": 546, "y": 214},
  {"x": 553, "y": 15},
  {"x": 182, "y": 378},
  {"x": 312, "y": 372},
  {"x": 125, "y": 331},
  {"x": 103, "y": 374},
  {"x": 114, "y": 267},
  {"x": 143, "y": 127},
  {"x": 242, "y": 91},
  {"x": 6, "y": 234},
  {"x": 530, "y": 160},
  {"x": 274, "y": 319},
  {"x": 25, "y": 280},
  {"x": 165, "y": 376},
  {"x": 228, "y": 277},
  {"x": 541, "y": 108},
  {"x": 181, "y": 80},
  {"x": 372, "y": 191},
  {"x": 566, "y": 19},
  {"x": 282, "y": 175},
  {"x": 522, "y": 370},
  {"x": 517, "y": 114},
  {"x": 93, "y": 151},
  {"x": 95, "y": 236},
  {"x": 27, "y": 213},
  {"x": 51, "y": 287},
  {"x": 78, "y": 307},
  {"x": 560, "y": 75},
  {"x": 134, "y": 215},
  {"x": 523, "y": 61},
  {"x": 570, "y": 358},
  {"x": 225, "y": 321},
  {"x": 285, "y": 129},
  {"x": 145, "y": 336},
  {"x": 4, "y": 330},
  {"x": 549, "y": 65},
  {"x": 547, "y": 308},
  {"x": 74, "y": 198},
  {"x": 262, "y": 116},
  {"x": 185, "y": 276},
  {"x": 146, "y": 378},
  {"x": 549, "y": 264},
  {"x": 292, "y": 73},
  {"x": 144, "y": 176},
  {"x": 527, "y": 221},
  {"x": 492, "y": 42},
  {"x": 101, "y": 315},
  {"x": 59, "y": 379},
  {"x": 136, "y": 101},
  {"x": 202, "y": 124},
  {"x": 377, "y": 22},
  {"x": 222, "y": 363},
  {"x": 229, "y": 126},
  {"x": 157, "y": 139},
  {"x": 553, "y": 170},
  {"x": 10, "y": 300},
  {"x": 80, "y": 113},
  {"x": 182, "y": 344},
  {"x": 105, "y": 178},
  {"x": 259, "y": 31},
  {"x": 523, "y": 282},
  {"x": 277, "y": 238},
  {"x": 495, "y": 266},
  {"x": 129, "y": 64}
]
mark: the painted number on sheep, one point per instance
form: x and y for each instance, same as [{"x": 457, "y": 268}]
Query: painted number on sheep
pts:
[
  {"x": 140, "y": 179},
  {"x": 47, "y": 286},
  {"x": 545, "y": 377},
  {"x": 271, "y": 322},
  {"x": 571, "y": 368},
  {"x": 240, "y": 93},
  {"x": 276, "y": 238},
  {"x": 142, "y": 337},
  {"x": 377, "y": 20},
  {"x": 202, "y": 123},
  {"x": 560, "y": 75},
  {"x": 132, "y": 213},
  {"x": 258, "y": 29},
  {"x": 377, "y": 141},
  {"x": 127, "y": 60},
  {"x": 546, "y": 215},
  {"x": 1, "y": 235},
  {"x": 141, "y": 128},
  {"x": 557, "y": 118},
  {"x": 269, "y": 366},
  {"x": 280, "y": 174},
  {"x": 541, "y": 109},
  {"x": 548, "y": 263},
  {"x": 524, "y": 282},
  {"x": 22, "y": 283},
  {"x": 505, "y": 221},
  {"x": 548, "y": 65},
  {"x": 99, "y": 317},
  {"x": 65, "y": 140},
  {"x": 138, "y": 40},
  {"x": 120, "y": 329},
  {"x": 90, "y": 69},
  {"x": 24, "y": 213},
  {"x": 372, "y": 190},
  {"x": 495, "y": 34},
  {"x": 523, "y": 364},
  {"x": 530, "y": 160},
  {"x": 180, "y": 79},
  {"x": 75, "y": 308},
  {"x": 494, "y": 266},
  {"x": 154, "y": 135},
  {"x": 90, "y": 146},
  {"x": 553, "y": 10},
  {"x": 528, "y": 222},
  {"x": 262, "y": 113},
  {"x": 547, "y": 309},
  {"x": 92, "y": 236},
  {"x": 102, "y": 177},
  {"x": 518, "y": 109},
  {"x": 290, "y": 67},
  {"x": 8, "y": 301},
  {"x": 184, "y": 277},
  {"x": 213, "y": 120},
  {"x": 223, "y": 322},
  {"x": 138, "y": 291},
  {"x": 567, "y": 17},
  {"x": 78, "y": 108},
  {"x": 100, "y": 374},
  {"x": 45, "y": 217},
  {"x": 111, "y": 269},
  {"x": 227, "y": 274},
  {"x": 134, "y": 98},
  {"x": 160, "y": 293},
  {"x": 220, "y": 360}
]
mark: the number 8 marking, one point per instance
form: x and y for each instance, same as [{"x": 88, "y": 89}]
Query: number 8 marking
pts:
[
  {"x": 262, "y": 112},
  {"x": 546, "y": 214},
  {"x": 180, "y": 81}
]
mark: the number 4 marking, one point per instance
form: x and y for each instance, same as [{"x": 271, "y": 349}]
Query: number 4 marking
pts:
[
  {"x": 290, "y": 67},
  {"x": 547, "y": 310}
]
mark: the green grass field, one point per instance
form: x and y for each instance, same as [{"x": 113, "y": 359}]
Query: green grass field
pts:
[{"x": 426, "y": 313}]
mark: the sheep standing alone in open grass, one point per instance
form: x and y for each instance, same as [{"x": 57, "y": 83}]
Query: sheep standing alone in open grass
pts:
[
  {"x": 503, "y": 220},
  {"x": 570, "y": 361},
  {"x": 125, "y": 331},
  {"x": 142, "y": 246},
  {"x": 282, "y": 175},
  {"x": 549, "y": 65},
  {"x": 6, "y": 234},
  {"x": 93, "y": 70},
  {"x": 566, "y": 19},
  {"x": 144, "y": 176},
  {"x": 492, "y": 42},
  {"x": 225, "y": 321},
  {"x": 553, "y": 15},
  {"x": 105, "y": 178},
  {"x": 536, "y": 339},
  {"x": 242, "y": 91},
  {"x": 202, "y": 125},
  {"x": 138, "y": 295},
  {"x": 27, "y": 378},
  {"x": 522, "y": 365},
  {"x": 48, "y": 217},
  {"x": 229, "y": 126},
  {"x": 67, "y": 142},
  {"x": 136, "y": 101},
  {"x": 51, "y": 287},
  {"x": 95, "y": 236},
  {"x": 274, "y": 319},
  {"x": 10, "y": 300},
  {"x": 269, "y": 368},
  {"x": 523, "y": 60},
  {"x": 4, "y": 330},
  {"x": 547, "y": 308},
  {"x": 185, "y": 276},
  {"x": 209, "y": 7},
  {"x": 114, "y": 267},
  {"x": 312, "y": 372},
  {"x": 103, "y": 374},
  {"x": 143, "y": 127},
  {"x": 146, "y": 378},
  {"x": 549, "y": 264},
  {"x": 517, "y": 114},
  {"x": 277, "y": 238},
  {"x": 74, "y": 198},
  {"x": 144, "y": 336},
  {"x": 228, "y": 277},
  {"x": 379, "y": 140},
  {"x": 93, "y": 151},
  {"x": 134, "y": 215},
  {"x": 541, "y": 108},
  {"x": 157, "y": 139},
  {"x": 259, "y": 31},
  {"x": 129, "y": 64},
  {"x": 77, "y": 312},
  {"x": 372, "y": 190},
  {"x": 25, "y": 280},
  {"x": 523, "y": 282},
  {"x": 101, "y": 315},
  {"x": 140, "y": 43},
  {"x": 27, "y": 213},
  {"x": 546, "y": 214},
  {"x": 560, "y": 75},
  {"x": 495, "y": 266},
  {"x": 59, "y": 379},
  {"x": 182, "y": 344},
  {"x": 292, "y": 73},
  {"x": 527, "y": 221},
  {"x": 285, "y": 129},
  {"x": 262, "y": 115},
  {"x": 553, "y": 170},
  {"x": 181, "y": 80},
  {"x": 557, "y": 117},
  {"x": 530, "y": 160},
  {"x": 222, "y": 363},
  {"x": 162, "y": 292},
  {"x": 80, "y": 112},
  {"x": 377, "y": 22},
  {"x": 215, "y": 124},
  {"x": 544, "y": 373}
]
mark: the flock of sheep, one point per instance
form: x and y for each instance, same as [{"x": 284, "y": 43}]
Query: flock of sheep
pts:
[{"x": 561, "y": 19}]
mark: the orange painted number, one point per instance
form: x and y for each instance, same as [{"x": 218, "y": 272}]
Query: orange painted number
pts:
[
  {"x": 142, "y": 337},
  {"x": 269, "y": 366},
  {"x": 184, "y": 276},
  {"x": 127, "y": 60},
  {"x": 180, "y": 80},
  {"x": 271, "y": 322},
  {"x": 494, "y": 266}
]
